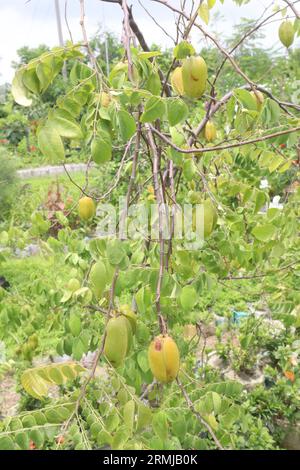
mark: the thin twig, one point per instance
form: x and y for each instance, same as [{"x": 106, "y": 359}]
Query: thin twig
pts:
[{"x": 198, "y": 416}]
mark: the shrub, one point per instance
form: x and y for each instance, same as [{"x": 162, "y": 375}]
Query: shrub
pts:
[{"x": 8, "y": 183}]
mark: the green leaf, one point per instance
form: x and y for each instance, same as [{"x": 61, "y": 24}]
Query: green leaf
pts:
[
  {"x": 154, "y": 109},
  {"x": 6, "y": 443},
  {"x": 179, "y": 427},
  {"x": 285, "y": 166},
  {"x": 50, "y": 143},
  {"x": 203, "y": 12},
  {"x": 19, "y": 91},
  {"x": 22, "y": 439},
  {"x": 101, "y": 148},
  {"x": 37, "y": 437},
  {"x": 127, "y": 125},
  {"x": 246, "y": 99},
  {"x": 120, "y": 438},
  {"x": 144, "y": 416},
  {"x": 31, "y": 81},
  {"x": 266, "y": 158},
  {"x": 65, "y": 124},
  {"x": 188, "y": 297},
  {"x": 160, "y": 425},
  {"x": 261, "y": 199},
  {"x": 36, "y": 381},
  {"x": 44, "y": 74},
  {"x": 264, "y": 232},
  {"x": 115, "y": 252},
  {"x": 153, "y": 83},
  {"x": 128, "y": 415},
  {"x": 211, "y": 3},
  {"x": 112, "y": 421},
  {"x": 183, "y": 50},
  {"x": 142, "y": 360},
  {"x": 55, "y": 376},
  {"x": 52, "y": 416},
  {"x": 75, "y": 324},
  {"x": 148, "y": 55},
  {"x": 177, "y": 110},
  {"x": 276, "y": 162}
]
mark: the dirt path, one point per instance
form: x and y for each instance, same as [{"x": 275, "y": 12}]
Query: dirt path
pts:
[
  {"x": 51, "y": 170},
  {"x": 9, "y": 398}
]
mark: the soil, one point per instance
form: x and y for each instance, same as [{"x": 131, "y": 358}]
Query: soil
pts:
[{"x": 9, "y": 398}]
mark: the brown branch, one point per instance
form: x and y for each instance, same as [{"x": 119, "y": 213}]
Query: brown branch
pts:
[
  {"x": 66, "y": 21},
  {"x": 126, "y": 38},
  {"x": 159, "y": 200},
  {"x": 293, "y": 8},
  {"x": 223, "y": 147},
  {"x": 198, "y": 416},
  {"x": 213, "y": 108},
  {"x": 254, "y": 276},
  {"x": 215, "y": 41}
]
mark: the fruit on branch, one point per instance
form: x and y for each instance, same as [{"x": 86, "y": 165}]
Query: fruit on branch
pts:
[
  {"x": 104, "y": 99},
  {"x": 86, "y": 208},
  {"x": 194, "y": 76},
  {"x": 73, "y": 285},
  {"x": 118, "y": 340},
  {"x": 130, "y": 315},
  {"x": 210, "y": 131},
  {"x": 164, "y": 360},
  {"x": 286, "y": 33},
  {"x": 98, "y": 278},
  {"x": 176, "y": 81},
  {"x": 259, "y": 97},
  {"x": 210, "y": 217}
]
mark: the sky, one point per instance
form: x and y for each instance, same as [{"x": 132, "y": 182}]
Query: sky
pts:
[{"x": 33, "y": 22}]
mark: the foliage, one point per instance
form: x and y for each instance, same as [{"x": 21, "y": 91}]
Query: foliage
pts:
[
  {"x": 8, "y": 184},
  {"x": 148, "y": 142}
]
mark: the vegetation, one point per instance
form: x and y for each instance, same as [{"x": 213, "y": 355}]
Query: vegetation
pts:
[{"x": 179, "y": 331}]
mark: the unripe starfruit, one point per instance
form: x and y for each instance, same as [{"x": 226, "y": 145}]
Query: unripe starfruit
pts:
[
  {"x": 73, "y": 285},
  {"x": 86, "y": 208},
  {"x": 194, "y": 76},
  {"x": 210, "y": 131},
  {"x": 118, "y": 340},
  {"x": 176, "y": 81},
  {"x": 164, "y": 360},
  {"x": 210, "y": 217},
  {"x": 98, "y": 278},
  {"x": 286, "y": 33},
  {"x": 130, "y": 315}
]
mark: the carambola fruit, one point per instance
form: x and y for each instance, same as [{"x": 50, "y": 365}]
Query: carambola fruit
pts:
[
  {"x": 86, "y": 208},
  {"x": 210, "y": 131},
  {"x": 210, "y": 217},
  {"x": 194, "y": 76},
  {"x": 286, "y": 33},
  {"x": 118, "y": 340},
  {"x": 130, "y": 315},
  {"x": 98, "y": 278},
  {"x": 176, "y": 81},
  {"x": 164, "y": 360},
  {"x": 73, "y": 285}
]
